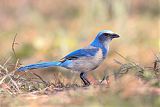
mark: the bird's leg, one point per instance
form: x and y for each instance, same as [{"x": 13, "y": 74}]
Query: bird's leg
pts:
[{"x": 83, "y": 76}]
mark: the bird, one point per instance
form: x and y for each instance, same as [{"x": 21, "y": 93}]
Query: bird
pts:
[{"x": 82, "y": 60}]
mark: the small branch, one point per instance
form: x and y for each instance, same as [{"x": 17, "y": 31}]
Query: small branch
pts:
[
  {"x": 118, "y": 62},
  {"x": 40, "y": 78},
  {"x": 124, "y": 57},
  {"x": 6, "y": 61},
  {"x": 130, "y": 61},
  {"x": 17, "y": 63},
  {"x": 13, "y": 49},
  {"x": 105, "y": 77},
  {"x": 13, "y": 44}
]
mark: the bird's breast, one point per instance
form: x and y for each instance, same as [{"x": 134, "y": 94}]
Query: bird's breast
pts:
[{"x": 99, "y": 55}]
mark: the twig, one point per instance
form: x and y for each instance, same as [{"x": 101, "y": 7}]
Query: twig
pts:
[
  {"x": 17, "y": 63},
  {"x": 13, "y": 44},
  {"x": 15, "y": 84},
  {"x": 7, "y": 74},
  {"x": 13, "y": 49},
  {"x": 118, "y": 62},
  {"x": 124, "y": 57},
  {"x": 40, "y": 78},
  {"x": 3, "y": 79},
  {"x": 105, "y": 77},
  {"x": 131, "y": 62},
  {"x": 155, "y": 55},
  {"x": 6, "y": 61}
]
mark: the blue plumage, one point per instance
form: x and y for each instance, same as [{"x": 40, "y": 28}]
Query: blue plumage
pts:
[
  {"x": 82, "y": 60},
  {"x": 38, "y": 65},
  {"x": 85, "y": 52}
]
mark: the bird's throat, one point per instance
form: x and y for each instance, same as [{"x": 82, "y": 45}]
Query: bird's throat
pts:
[{"x": 104, "y": 46}]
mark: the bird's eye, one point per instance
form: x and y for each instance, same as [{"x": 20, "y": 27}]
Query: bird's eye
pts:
[{"x": 106, "y": 34}]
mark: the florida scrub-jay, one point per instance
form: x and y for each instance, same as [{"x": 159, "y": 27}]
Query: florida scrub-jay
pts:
[{"x": 82, "y": 60}]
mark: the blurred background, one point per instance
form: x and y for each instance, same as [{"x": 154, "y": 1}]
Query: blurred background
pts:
[{"x": 48, "y": 30}]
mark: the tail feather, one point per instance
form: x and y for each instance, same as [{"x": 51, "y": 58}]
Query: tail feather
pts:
[{"x": 39, "y": 65}]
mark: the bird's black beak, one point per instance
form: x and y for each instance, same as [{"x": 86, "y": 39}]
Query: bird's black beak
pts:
[{"x": 115, "y": 36}]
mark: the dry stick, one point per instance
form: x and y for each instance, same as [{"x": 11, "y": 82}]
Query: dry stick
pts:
[
  {"x": 135, "y": 64},
  {"x": 13, "y": 44},
  {"x": 124, "y": 57},
  {"x": 11, "y": 79},
  {"x": 155, "y": 62},
  {"x": 105, "y": 77},
  {"x": 15, "y": 84},
  {"x": 127, "y": 59},
  {"x": 13, "y": 49},
  {"x": 40, "y": 78},
  {"x": 118, "y": 62},
  {"x": 17, "y": 63},
  {"x": 155, "y": 55},
  {"x": 155, "y": 67},
  {"x": 6, "y": 71},
  {"x": 3, "y": 79},
  {"x": 7, "y": 74},
  {"x": 6, "y": 61}
]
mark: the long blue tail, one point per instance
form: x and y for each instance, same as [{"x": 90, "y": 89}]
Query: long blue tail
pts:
[{"x": 39, "y": 65}]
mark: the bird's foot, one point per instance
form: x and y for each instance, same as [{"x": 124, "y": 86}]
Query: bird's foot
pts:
[
  {"x": 83, "y": 76},
  {"x": 86, "y": 83}
]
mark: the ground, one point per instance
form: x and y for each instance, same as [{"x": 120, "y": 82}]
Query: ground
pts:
[{"x": 131, "y": 86}]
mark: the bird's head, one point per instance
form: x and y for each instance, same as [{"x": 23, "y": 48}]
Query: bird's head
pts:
[
  {"x": 106, "y": 36},
  {"x": 103, "y": 39}
]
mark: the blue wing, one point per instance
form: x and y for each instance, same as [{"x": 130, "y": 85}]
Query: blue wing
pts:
[{"x": 84, "y": 52}]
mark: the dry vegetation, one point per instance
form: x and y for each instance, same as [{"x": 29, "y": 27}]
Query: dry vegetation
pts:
[
  {"x": 131, "y": 85},
  {"x": 49, "y": 30}
]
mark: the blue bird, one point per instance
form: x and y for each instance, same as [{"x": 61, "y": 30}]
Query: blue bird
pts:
[{"x": 82, "y": 60}]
